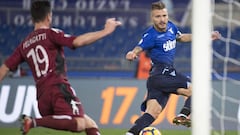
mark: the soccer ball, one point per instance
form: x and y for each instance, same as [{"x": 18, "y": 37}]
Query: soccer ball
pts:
[{"x": 150, "y": 131}]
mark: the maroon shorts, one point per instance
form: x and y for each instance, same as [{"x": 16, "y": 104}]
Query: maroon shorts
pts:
[{"x": 55, "y": 100}]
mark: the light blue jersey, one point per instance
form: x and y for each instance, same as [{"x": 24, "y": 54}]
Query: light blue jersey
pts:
[{"x": 161, "y": 46}]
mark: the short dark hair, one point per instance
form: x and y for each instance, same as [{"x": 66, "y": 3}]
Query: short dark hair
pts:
[
  {"x": 39, "y": 10},
  {"x": 158, "y": 5}
]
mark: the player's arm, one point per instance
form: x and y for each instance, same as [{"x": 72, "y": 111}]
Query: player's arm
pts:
[
  {"x": 131, "y": 55},
  {"x": 11, "y": 63},
  {"x": 91, "y": 37},
  {"x": 186, "y": 37},
  {"x": 216, "y": 35},
  {"x": 3, "y": 71}
]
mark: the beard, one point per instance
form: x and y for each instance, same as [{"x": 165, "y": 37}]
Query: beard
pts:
[{"x": 161, "y": 26}]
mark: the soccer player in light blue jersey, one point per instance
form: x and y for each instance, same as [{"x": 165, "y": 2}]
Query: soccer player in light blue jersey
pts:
[{"x": 160, "y": 43}]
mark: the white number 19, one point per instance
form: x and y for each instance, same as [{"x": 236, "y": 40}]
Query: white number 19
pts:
[{"x": 38, "y": 60}]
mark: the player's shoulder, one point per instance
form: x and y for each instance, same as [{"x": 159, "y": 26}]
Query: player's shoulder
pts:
[
  {"x": 150, "y": 31},
  {"x": 56, "y": 30},
  {"x": 171, "y": 23}
]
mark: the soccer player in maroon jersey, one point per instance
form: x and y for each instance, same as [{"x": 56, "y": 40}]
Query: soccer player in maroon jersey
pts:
[{"x": 42, "y": 49}]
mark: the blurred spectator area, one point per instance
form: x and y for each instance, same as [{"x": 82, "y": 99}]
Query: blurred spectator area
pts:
[{"x": 108, "y": 54}]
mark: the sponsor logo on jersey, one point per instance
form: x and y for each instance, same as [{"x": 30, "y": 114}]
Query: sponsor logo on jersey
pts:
[{"x": 169, "y": 45}]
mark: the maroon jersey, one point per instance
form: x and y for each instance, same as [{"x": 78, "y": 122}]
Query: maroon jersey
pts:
[{"x": 43, "y": 51}]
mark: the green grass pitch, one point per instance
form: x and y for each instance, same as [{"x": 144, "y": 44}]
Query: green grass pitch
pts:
[{"x": 45, "y": 131}]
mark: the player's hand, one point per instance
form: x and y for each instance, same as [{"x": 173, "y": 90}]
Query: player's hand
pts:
[
  {"x": 111, "y": 25},
  {"x": 216, "y": 35},
  {"x": 131, "y": 56}
]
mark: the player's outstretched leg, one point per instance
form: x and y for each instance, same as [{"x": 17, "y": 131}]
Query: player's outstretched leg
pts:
[{"x": 26, "y": 124}]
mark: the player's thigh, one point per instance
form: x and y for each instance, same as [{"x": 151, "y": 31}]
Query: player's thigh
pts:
[
  {"x": 45, "y": 106},
  {"x": 62, "y": 102},
  {"x": 168, "y": 83},
  {"x": 160, "y": 96}
]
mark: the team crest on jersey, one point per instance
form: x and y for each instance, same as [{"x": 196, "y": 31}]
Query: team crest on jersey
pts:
[{"x": 170, "y": 30}]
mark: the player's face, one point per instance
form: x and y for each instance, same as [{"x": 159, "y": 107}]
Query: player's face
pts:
[{"x": 160, "y": 19}]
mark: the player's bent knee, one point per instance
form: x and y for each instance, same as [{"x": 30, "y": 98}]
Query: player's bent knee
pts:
[
  {"x": 154, "y": 108},
  {"x": 155, "y": 113},
  {"x": 184, "y": 92},
  {"x": 90, "y": 123},
  {"x": 81, "y": 125}
]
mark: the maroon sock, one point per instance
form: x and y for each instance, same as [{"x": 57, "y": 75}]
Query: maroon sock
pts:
[
  {"x": 92, "y": 131},
  {"x": 58, "y": 122}
]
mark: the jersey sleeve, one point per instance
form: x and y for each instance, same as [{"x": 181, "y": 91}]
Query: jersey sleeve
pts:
[
  {"x": 177, "y": 32},
  {"x": 60, "y": 38},
  {"x": 14, "y": 60},
  {"x": 147, "y": 41}
]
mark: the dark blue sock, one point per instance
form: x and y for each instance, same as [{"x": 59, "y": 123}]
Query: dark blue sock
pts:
[
  {"x": 145, "y": 120},
  {"x": 188, "y": 102},
  {"x": 187, "y": 107}
]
